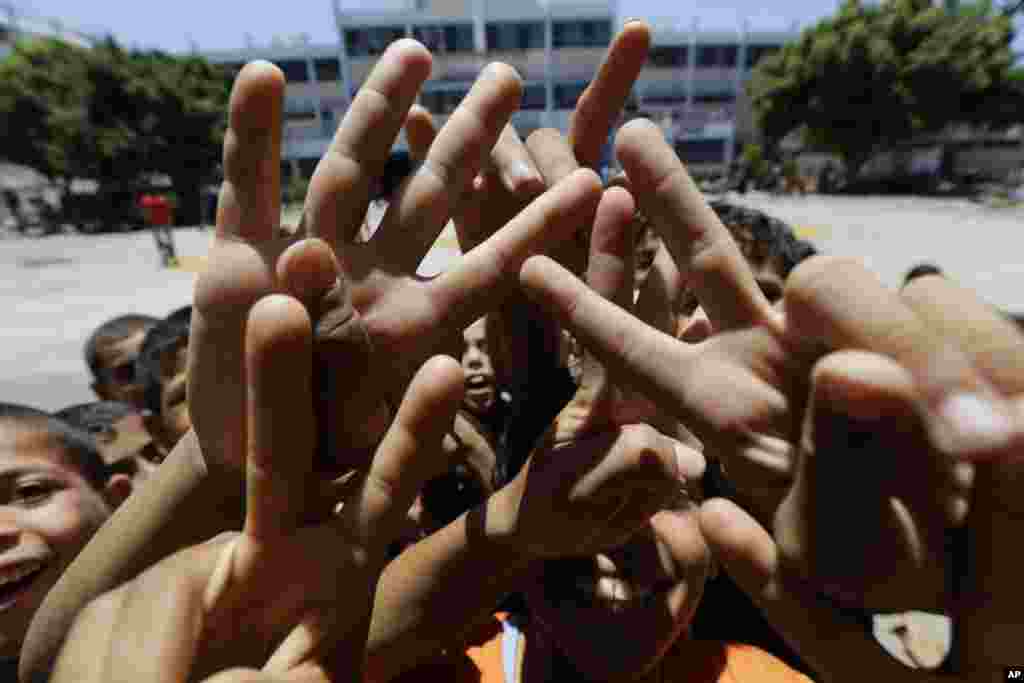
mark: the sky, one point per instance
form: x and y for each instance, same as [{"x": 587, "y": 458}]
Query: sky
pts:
[{"x": 174, "y": 25}]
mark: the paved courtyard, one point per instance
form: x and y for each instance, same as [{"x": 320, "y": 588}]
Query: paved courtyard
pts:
[{"x": 57, "y": 289}]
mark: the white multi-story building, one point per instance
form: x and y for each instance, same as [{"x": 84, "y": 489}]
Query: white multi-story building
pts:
[{"x": 692, "y": 85}]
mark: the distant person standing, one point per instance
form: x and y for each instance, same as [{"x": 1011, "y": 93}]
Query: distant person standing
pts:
[{"x": 157, "y": 211}]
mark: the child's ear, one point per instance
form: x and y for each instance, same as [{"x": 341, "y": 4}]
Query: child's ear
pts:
[{"x": 117, "y": 490}]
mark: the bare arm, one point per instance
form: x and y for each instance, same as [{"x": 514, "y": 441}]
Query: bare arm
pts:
[
  {"x": 436, "y": 590},
  {"x": 182, "y": 504}
]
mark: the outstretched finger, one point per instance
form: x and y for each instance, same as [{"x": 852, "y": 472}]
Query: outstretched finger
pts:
[
  {"x": 839, "y": 303},
  {"x": 418, "y": 214},
  {"x": 420, "y": 132},
  {"x": 610, "y": 263},
  {"x": 993, "y": 343},
  {"x": 279, "y": 365},
  {"x": 681, "y": 380},
  {"x": 339, "y": 192},
  {"x": 407, "y": 457},
  {"x": 512, "y": 162},
  {"x": 658, "y": 296},
  {"x": 821, "y": 635},
  {"x": 473, "y": 286},
  {"x": 704, "y": 251},
  {"x": 610, "y": 275},
  {"x": 601, "y": 104},
  {"x": 865, "y": 448},
  {"x": 249, "y": 204}
]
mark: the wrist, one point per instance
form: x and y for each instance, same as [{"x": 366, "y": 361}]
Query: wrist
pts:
[{"x": 494, "y": 523}]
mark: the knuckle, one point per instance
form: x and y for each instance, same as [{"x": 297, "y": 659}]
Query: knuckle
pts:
[{"x": 810, "y": 275}]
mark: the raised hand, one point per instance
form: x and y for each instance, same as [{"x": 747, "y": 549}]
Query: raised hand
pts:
[
  {"x": 599, "y": 426},
  {"x": 514, "y": 174},
  {"x": 365, "y": 298},
  {"x": 743, "y": 392},
  {"x": 285, "y": 596},
  {"x": 378, "y": 308}
]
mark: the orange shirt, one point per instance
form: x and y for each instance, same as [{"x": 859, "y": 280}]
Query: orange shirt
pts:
[{"x": 502, "y": 659}]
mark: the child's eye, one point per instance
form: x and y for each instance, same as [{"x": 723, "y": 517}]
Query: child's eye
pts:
[{"x": 33, "y": 493}]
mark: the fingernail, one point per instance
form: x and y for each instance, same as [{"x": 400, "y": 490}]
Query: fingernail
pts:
[
  {"x": 689, "y": 463},
  {"x": 963, "y": 475},
  {"x": 519, "y": 174},
  {"x": 975, "y": 424}
]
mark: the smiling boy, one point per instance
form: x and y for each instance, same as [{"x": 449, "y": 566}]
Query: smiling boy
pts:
[{"x": 55, "y": 493}]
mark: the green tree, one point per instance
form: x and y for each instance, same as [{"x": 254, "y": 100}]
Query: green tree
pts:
[
  {"x": 113, "y": 115},
  {"x": 875, "y": 75},
  {"x": 44, "y": 117}
]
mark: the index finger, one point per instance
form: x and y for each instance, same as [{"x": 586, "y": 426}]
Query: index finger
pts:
[
  {"x": 248, "y": 205},
  {"x": 339, "y": 192},
  {"x": 681, "y": 379},
  {"x": 409, "y": 454},
  {"x": 279, "y": 365},
  {"x": 600, "y": 105},
  {"x": 703, "y": 249}
]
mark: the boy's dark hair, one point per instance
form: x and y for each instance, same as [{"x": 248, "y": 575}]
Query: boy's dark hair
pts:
[
  {"x": 163, "y": 334},
  {"x": 96, "y": 417},
  {"x": 762, "y": 238},
  {"x": 113, "y": 330},
  {"x": 920, "y": 270},
  {"x": 79, "y": 448}
]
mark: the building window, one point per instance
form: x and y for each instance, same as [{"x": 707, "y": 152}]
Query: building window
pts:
[
  {"x": 380, "y": 37},
  {"x": 421, "y": 5},
  {"x": 443, "y": 101},
  {"x": 299, "y": 110},
  {"x": 596, "y": 33},
  {"x": 432, "y": 37},
  {"x": 729, "y": 54},
  {"x": 707, "y": 56},
  {"x": 756, "y": 52},
  {"x": 534, "y": 97},
  {"x": 327, "y": 69},
  {"x": 531, "y": 36},
  {"x": 567, "y": 34},
  {"x": 715, "y": 98},
  {"x": 294, "y": 70},
  {"x": 356, "y": 42},
  {"x": 567, "y": 94},
  {"x": 458, "y": 38},
  {"x": 671, "y": 56},
  {"x": 701, "y": 151},
  {"x": 515, "y": 35}
]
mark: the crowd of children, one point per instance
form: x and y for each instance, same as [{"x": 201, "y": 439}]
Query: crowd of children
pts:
[{"x": 656, "y": 473}]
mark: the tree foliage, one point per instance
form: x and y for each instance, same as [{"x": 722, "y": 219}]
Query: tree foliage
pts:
[
  {"x": 875, "y": 75},
  {"x": 112, "y": 115}
]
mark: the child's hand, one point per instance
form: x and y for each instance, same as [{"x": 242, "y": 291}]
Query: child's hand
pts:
[
  {"x": 378, "y": 307},
  {"x": 285, "y": 595}
]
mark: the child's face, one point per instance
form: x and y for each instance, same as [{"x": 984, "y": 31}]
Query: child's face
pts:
[
  {"x": 173, "y": 396},
  {"x": 48, "y": 512},
  {"x": 481, "y": 388},
  {"x": 615, "y": 614},
  {"x": 128, "y": 447},
  {"x": 117, "y": 380}
]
